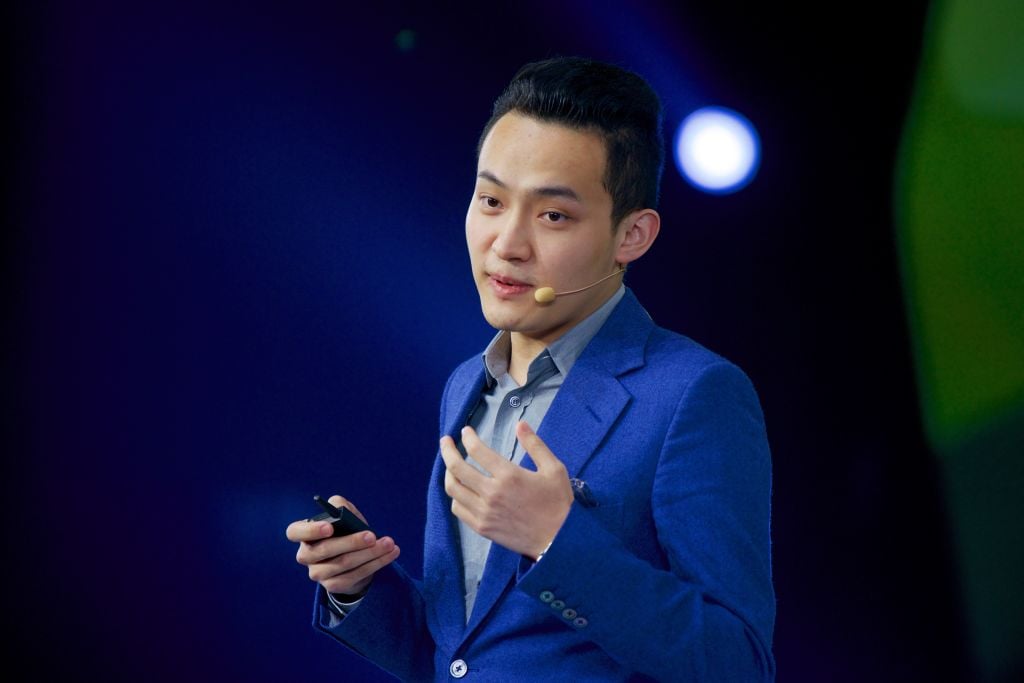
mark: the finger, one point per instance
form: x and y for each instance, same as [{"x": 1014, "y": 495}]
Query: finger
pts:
[
  {"x": 466, "y": 474},
  {"x": 344, "y": 563},
  {"x": 461, "y": 496},
  {"x": 313, "y": 553},
  {"x": 356, "y": 579},
  {"x": 535, "y": 446},
  {"x": 352, "y": 579},
  {"x": 338, "y": 502},
  {"x": 488, "y": 459},
  {"x": 453, "y": 487},
  {"x": 461, "y": 512},
  {"x": 309, "y": 532}
]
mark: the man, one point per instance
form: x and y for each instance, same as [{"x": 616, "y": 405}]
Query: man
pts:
[{"x": 600, "y": 504}]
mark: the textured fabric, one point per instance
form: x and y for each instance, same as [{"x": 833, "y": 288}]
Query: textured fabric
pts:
[
  {"x": 502, "y": 406},
  {"x": 503, "y": 403},
  {"x": 667, "y": 576}
]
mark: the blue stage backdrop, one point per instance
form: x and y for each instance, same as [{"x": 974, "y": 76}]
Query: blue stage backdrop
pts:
[{"x": 237, "y": 278}]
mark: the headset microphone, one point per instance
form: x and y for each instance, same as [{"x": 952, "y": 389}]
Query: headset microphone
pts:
[{"x": 545, "y": 295}]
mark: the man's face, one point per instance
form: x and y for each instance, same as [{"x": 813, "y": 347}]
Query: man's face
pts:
[{"x": 540, "y": 217}]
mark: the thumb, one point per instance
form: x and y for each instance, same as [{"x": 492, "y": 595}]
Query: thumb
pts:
[
  {"x": 538, "y": 450},
  {"x": 339, "y": 502}
]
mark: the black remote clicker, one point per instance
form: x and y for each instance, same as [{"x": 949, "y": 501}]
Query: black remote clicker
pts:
[{"x": 342, "y": 519}]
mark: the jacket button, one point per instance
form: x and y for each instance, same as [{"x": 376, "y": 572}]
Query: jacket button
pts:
[
  {"x": 557, "y": 604},
  {"x": 458, "y": 668},
  {"x": 580, "y": 622},
  {"x": 547, "y": 596},
  {"x": 569, "y": 613}
]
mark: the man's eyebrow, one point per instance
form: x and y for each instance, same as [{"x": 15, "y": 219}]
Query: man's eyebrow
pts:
[
  {"x": 547, "y": 191},
  {"x": 557, "y": 191},
  {"x": 487, "y": 175}
]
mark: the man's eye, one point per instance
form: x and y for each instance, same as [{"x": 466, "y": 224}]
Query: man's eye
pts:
[
  {"x": 490, "y": 202},
  {"x": 555, "y": 217}
]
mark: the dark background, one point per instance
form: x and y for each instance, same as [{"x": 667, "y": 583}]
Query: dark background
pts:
[{"x": 236, "y": 277}]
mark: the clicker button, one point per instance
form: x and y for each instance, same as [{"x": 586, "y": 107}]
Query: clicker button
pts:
[{"x": 458, "y": 668}]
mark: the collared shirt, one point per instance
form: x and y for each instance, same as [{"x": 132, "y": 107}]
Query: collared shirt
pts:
[{"x": 504, "y": 403}]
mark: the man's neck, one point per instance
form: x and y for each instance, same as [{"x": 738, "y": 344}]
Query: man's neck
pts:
[{"x": 524, "y": 350}]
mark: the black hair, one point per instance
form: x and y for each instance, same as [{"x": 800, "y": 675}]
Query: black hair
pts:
[{"x": 617, "y": 104}]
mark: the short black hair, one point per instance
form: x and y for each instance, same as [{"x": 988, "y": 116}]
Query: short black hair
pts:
[{"x": 617, "y": 104}]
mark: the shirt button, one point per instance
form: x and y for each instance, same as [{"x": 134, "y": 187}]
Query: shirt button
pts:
[
  {"x": 580, "y": 622},
  {"x": 515, "y": 401},
  {"x": 557, "y": 604},
  {"x": 569, "y": 613},
  {"x": 547, "y": 596},
  {"x": 458, "y": 668}
]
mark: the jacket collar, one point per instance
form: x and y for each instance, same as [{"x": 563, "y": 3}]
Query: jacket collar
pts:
[{"x": 587, "y": 405}]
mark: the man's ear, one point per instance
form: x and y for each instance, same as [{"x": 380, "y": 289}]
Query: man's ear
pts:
[{"x": 637, "y": 232}]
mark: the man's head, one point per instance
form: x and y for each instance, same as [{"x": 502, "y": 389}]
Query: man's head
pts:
[
  {"x": 618, "y": 105},
  {"x": 567, "y": 175}
]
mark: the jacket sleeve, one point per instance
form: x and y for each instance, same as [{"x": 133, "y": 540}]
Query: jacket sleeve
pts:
[
  {"x": 388, "y": 627},
  {"x": 707, "y": 612}
]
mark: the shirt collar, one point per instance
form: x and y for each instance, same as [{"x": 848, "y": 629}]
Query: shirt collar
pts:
[{"x": 565, "y": 350}]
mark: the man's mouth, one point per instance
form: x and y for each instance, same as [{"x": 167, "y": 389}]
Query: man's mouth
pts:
[
  {"x": 509, "y": 281},
  {"x": 505, "y": 286}
]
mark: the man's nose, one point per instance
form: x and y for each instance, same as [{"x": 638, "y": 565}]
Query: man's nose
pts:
[{"x": 512, "y": 243}]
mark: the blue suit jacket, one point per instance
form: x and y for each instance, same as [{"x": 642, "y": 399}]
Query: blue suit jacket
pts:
[{"x": 666, "y": 575}]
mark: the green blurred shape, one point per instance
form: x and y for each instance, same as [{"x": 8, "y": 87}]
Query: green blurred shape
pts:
[
  {"x": 405, "y": 40},
  {"x": 960, "y": 229}
]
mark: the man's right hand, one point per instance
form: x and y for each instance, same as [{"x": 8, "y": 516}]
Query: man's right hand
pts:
[{"x": 343, "y": 565}]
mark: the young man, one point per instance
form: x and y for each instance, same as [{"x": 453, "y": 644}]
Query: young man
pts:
[{"x": 599, "y": 508}]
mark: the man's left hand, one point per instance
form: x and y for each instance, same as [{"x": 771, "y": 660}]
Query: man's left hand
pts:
[{"x": 515, "y": 507}]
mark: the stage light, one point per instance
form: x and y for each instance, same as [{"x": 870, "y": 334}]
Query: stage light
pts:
[{"x": 717, "y": 150}]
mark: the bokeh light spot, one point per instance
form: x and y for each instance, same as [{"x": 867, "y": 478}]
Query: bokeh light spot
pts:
[{"x": 717, "y": 150}]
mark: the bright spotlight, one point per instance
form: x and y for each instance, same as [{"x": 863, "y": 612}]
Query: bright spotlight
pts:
[{"x": 717, "y": 150}]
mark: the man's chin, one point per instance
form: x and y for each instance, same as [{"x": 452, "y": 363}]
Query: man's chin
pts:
[
  {"x": 504, "y": 322},
  {"x": 507, "y": 315}
]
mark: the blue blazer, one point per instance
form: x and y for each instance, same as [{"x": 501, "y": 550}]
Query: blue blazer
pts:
[{"x": 662, "y": 572}]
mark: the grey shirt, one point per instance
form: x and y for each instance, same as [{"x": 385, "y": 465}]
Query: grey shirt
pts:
[{"x": 504, "y": 403}]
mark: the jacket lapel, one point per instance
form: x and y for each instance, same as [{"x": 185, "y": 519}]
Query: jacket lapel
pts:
[
  {"x": 443, "y": 558},
  {"x": 573, "y": 427},
  {"x": 591, "y": 399},
  {"x": 587, "y": 405}
]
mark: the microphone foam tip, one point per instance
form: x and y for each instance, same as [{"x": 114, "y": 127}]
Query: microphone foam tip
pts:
[{"x": 544, "y": 295}]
